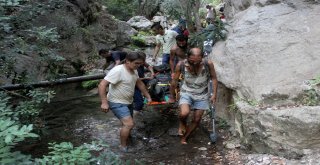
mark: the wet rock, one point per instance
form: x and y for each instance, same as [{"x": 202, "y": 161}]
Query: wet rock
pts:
[
  {"x": 232, "y": 144},
  {"x": 173, "y": 132}
]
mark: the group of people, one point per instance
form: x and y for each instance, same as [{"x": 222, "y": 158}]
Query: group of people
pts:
[{"x": 186, "y": 62}]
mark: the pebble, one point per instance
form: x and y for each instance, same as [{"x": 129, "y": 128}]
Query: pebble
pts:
[{"x": 202, "y": 148}]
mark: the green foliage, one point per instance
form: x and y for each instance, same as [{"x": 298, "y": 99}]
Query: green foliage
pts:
[
  {"x": 216, "y": 2},
  {"x": 44, "y": 35},
  {"x": 252, "y": 102},
  {"x": 172, "y": 8},
  {"x": 10, "y": 3},
  {"x": 29, "y": 109},
  {"x": 7, "y": 65},
  {"x": 6, "y": 110},
  {"x": 90, "y": 84},
  {"x": 19, "y": 15},
  {"x": 214, "y": 32},
  {"x": 66, "y": 153},
  {"x": 138, "y": 41},
  {"x": 39, "y": 96},
  {"x": 315, "y": 81},
  {"x": 121, "y": 9},
  {"x": 11, "y": 133},
  {"x": 310, "y": 98},
  {"x": 202, "y": 13},
  {"x": 233, "y": 107},
  {"x": 145, "y": 33}
]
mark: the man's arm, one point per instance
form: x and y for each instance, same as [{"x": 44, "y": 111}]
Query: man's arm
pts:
[
  {"x": 150, "y": 68},
  {"x": 143, "y": 89},
  {"x": 156, "y": 51},
  {"x": 174, "y": 83},
  {"x": 214, "y": 81},
  {"x": 103, "y": 96}
]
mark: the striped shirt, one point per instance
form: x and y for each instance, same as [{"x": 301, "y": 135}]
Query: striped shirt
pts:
[{"x": 195, "y": 85}]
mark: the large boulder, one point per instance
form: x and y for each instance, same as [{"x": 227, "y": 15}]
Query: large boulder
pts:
[
  {"x": 271, "y": 51},
  {"x": 140, "y": 23},
  {"x": 267, "y": 60},
  {"x": 284, "y": 131}
]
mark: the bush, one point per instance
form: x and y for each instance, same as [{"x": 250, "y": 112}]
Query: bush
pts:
[
  {"x": 138, "y": 41},
  {"x": 90, "y": 84}
]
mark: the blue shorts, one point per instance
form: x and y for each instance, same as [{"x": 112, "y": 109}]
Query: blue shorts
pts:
[
  {"x": 121, "y": 110},
  {"x": 193, "y": 103}
]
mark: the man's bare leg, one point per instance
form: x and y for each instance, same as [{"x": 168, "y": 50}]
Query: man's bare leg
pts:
[
  {"x": 194, "y": 124},
  {"x": 127, "y": 125},
  {"x": 183, "y": 116}
]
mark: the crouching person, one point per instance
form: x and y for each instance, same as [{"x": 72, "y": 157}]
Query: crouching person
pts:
[{"x": 122, "y": 80}]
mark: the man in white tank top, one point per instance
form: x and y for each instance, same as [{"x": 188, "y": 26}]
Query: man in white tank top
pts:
[{"x": 194, "y": 93}]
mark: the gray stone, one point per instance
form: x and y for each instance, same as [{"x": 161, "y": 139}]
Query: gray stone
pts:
[{"x": 140, "y": 22}]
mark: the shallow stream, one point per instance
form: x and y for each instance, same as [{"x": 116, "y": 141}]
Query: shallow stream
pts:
[{"x": 74, "y": 116}]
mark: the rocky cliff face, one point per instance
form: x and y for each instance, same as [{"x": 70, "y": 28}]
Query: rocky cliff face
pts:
[
  {"x": 270, "y": 56},
  {"x": 271, "y": 50},
  {"x": 83, "y": 27}
]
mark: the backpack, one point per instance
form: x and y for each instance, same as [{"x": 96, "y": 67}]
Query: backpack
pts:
[{"x": 206, "y": 67}]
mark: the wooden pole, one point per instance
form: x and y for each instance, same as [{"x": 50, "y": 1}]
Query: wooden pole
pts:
[{"x": 53, "y": 82}]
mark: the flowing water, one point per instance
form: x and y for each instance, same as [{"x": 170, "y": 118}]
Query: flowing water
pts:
[{"x": 75, "y": 116}]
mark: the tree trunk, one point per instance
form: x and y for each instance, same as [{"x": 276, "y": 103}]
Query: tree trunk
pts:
[
  {"x": 196, "y": 15},
  {"x": 53, "y": 82},
  {"x": 191, "y": 9}
]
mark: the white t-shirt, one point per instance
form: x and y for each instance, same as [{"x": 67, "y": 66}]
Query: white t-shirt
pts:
[
  {"x": 167, "y": 40},
  {"x": 122, "y": 84}
]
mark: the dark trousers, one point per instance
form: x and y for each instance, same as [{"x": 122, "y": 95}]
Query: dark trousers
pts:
[{"x": 137, "y": 100}]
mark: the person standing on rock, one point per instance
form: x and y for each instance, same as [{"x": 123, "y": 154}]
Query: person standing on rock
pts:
[
  {"x": 122, "y": 80},
  {"x": 194, "y": 92},
  {"x": 112, "y": 56},
  {"x": 165, "y": 39}
]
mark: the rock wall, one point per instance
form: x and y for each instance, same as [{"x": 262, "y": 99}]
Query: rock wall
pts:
[
  {"x": 271, "y": 53},
  {"x": 83, "y": 26}
]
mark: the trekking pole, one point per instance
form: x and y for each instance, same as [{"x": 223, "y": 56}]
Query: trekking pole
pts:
[{"x": 213, "y": 135}]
